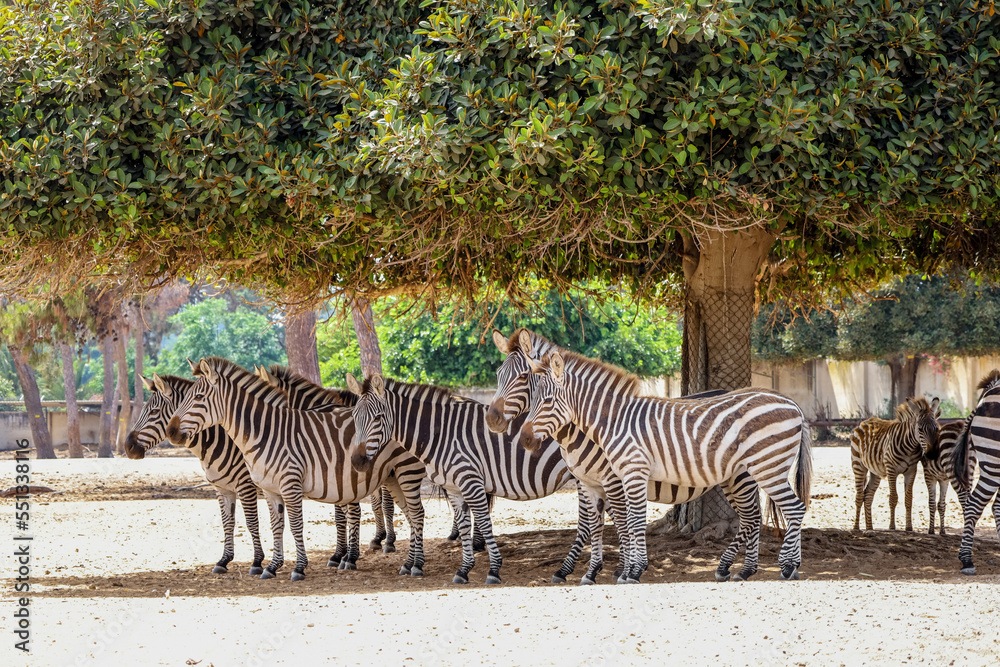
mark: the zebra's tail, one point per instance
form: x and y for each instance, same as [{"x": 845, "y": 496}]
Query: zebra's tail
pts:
[
  {"x": 960, "y": 459},
  {"x": 776, "y": 519},
  {"x": 804, "y": 470}
]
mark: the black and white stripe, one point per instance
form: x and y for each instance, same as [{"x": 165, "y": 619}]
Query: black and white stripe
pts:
[
  {"x": 696, "y": 443},
  {"x": 587, "y": 462},
  {"x": 980, "y": 444},
  {"x": 939, "y": 471},
  {"x": 449, "y": 434},
  {"x": 883, "y": 448},
  {"x": 296, "y": 454}
]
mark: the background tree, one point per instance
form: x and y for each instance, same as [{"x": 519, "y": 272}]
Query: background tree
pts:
[{"x": 22, "y": 326}]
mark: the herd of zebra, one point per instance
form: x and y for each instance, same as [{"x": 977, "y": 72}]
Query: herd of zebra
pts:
[{"x": 558, "y": 418}]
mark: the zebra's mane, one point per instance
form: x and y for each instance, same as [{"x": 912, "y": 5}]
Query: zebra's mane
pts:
[
  {"x": 537, "y": 340},
  {"x": 912, "y": 408},
  {"x": 287, "y": 376},
  {"x": 176, "y": 382},
  {"x": 424, "y": 392},
  {"x": 991, "y": 381},
  {"x": 252, "y": 383},
  {"x": 583, "y": 365}
]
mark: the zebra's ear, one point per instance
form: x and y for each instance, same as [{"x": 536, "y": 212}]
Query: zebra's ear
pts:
[
  {"x": 266, "y": 376},
  {"x": 557, "y": 366},
  {"x": 194, "y": 366},
  {"x": 535, "y": 366},
  {"x": 501, "y": 342},
  {"x": 378, "y": 385},
  {"x": 147, "y": 383},
  {"x": 208, "y": 372},
  {"x": 935, "y": 407},
  {"x": 161, "y": 386},
  {"x": 524, "y": 342},
  {"x": 353, "y": 385}
]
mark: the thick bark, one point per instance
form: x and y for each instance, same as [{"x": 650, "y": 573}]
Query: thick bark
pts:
[
  {"x": 72, "y": 412},
  {"x": 121, "y": 361},
  {"x": 139, "y": 331},
  {"x": 364, "y": 328},
  {"x": 721, "y": 270},
  {"x": 104, "y": 449},
  {"x": 903, "y": 372},
  {"x": 41, "y": 439},
  {"x": 300, "y": 345}
]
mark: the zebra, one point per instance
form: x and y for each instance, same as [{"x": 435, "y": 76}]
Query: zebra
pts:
[
  {"x": 515, "y": 384},
  {"x": 883, "y": 448},
  {"x": 979, "y": 443},
  {"x": 222, "y": 463},
  {"x": 449, "y": 434},
  {"x": 688, "y": 442},
  {"x": 938, "y": 472},
  {"x": 295, "y": 454},
  {"x": 306, "y": 395}
]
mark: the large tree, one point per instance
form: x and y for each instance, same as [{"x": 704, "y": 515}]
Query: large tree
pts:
[{"x": 23, "y": 325}]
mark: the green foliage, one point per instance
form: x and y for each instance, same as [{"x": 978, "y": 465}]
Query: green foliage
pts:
[
  {"x": 209, "y": 328},
  {"x": 452, "y": 350}
]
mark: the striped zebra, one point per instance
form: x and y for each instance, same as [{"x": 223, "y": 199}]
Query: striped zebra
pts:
[
  {"x": 587, "y": 462},
  {"x": 688, "y": 442},
  {"x": 295, "y": 454},
  {"x": 980, "y": 443},
  {"x": 883, "y": 448},
  {"x": 449, "y": 434},
  {"x": 938, "y": 471},
  {"x": 304, "y": 394}
]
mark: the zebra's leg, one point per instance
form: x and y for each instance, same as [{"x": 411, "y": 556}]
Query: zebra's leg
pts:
[
  {"x": 479, "y": 504},
  {"x": 618, "y": 509},
  {"x": 893, "y": 501},
  {"x": 376, "y": 500},
  {"x": 743, "y": 496},
  {"x": 292, "y": 497},
  {"x": 390, "y": 531},
  {"x": 596, "y": 540},
  {"x": 942, "y": 502},
  {"x": 586, "y": 502},
  {"x": 873, "y": 482},
  {"x": 908, "y": 478},
  {"x": 463, "y": 518},
  {"x": 248, "y": 499},
  {"x": 860, "y": 475},
  {"x": 478, "y": 543},
  {"x": 340, "y": 519},
  {"x": 932, "y": 501},
  {"x": 350, "y": 559},
  {"x": 227, "y": 504},
  {"x": 985, "y": 489},
  {"x": 793, "y": 509},
  {"x": 455, "y": 534},
  {"x": 277, "y": 510},
  {"x": 408, "y": 491},
  {"x": 635, "y": 481}
]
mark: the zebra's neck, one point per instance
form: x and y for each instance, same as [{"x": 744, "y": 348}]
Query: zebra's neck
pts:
[
  {"x": 596, "y": 398},
  {"x": 413, "y": 406}
]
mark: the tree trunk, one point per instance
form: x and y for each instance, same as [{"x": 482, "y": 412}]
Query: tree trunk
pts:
[
  {"x": 40, "y": 436},
  {"x": 300, "y": 345},
  {"x": 720, "y": 269},
  {"x": 72, "y": 412},
  {"x": 364, "y": 328},
  {"x": 121, "y": 361},
  {"x": 903, "y": 372},
  {"x": 139, "y": 331},
  {"x": 104, "y": 449}
]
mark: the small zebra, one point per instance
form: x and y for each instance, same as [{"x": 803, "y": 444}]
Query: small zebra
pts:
[
  {"x": 938, "y": 471},
  {"x": 587, "y": 462},
  {"x": 223, "y": 464},
  {"x": 980, "y": 444},
  {"x": 688, "y": 442},
  {"x": 883, "y": 448},
  {"x": 295, "y": 454},
  {"x": 449, "y": 434}
]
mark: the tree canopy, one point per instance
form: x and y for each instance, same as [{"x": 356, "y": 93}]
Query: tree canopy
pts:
[{"x": 461, "y": 144}]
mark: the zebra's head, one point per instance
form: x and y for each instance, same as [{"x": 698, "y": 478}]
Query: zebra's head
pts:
[
  {"x": 922, "y": 417},
  {"x": 550, "y": 409},
  {"x": 201, "y": 407},
  {"x": 151, "y": 425},
  {"x": 513, "y": 381},
  {"x": 373, "y": 418}
]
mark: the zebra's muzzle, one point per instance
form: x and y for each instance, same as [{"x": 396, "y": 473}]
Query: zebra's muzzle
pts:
[
  {"x": 495, "y": 419},
  {"x": 528, "y": 439},
  {"x": 132, "y": 447},
  {"x": 174, "y": 433},
  {"x": 360, "y": 459}
]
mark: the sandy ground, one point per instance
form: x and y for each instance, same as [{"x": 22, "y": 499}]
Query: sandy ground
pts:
[{"x": 122, "y": 575}]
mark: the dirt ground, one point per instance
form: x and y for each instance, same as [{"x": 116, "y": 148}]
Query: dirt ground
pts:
[{"x": 117, "y": 530}]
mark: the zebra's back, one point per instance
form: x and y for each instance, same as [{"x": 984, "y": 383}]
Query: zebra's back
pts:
[{"x": 884, "y": 447}]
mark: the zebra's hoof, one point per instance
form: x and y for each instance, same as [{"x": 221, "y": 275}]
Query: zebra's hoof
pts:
[
  {"x": 267, "y": 574},
  {"x": 968, "y": 569},
  {"x": 722, "y": 576},
  {"x": 334, "y": 561},
  {"x": 618, "y": 573},
  {"x": 630, "y": 580},
  {"x": 492, "y": 579},
  {"x": 388, "y": 548},
  {"x": 348, "y": 565},
  {"x": 255, "y": 570},
  {"x": 621, "y": 580},
  {"x": 557, "y": 579},
  {"x": 404, "y": 570},
  {"x": 743, "y": 575},
  {"x": 297, "y": 576},
  {"x": 375, "y": 545},
  {"x": 453, "y": 536},
  {"x": 478, "y": 547},
  {"x": 416, "y": 572},
  {"x": 459, "y": 579},
  {"x": 793, "y": 574},
  {"x": 587, "y": 581},
  {"x": 219, "y": 569}
]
